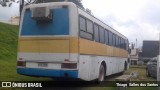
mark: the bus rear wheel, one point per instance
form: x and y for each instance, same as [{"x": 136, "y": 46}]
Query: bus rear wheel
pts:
[{"x": 101, "y": 73}]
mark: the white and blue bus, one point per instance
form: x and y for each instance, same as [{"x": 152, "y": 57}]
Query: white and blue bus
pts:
[{"x": 62, "y": 40}]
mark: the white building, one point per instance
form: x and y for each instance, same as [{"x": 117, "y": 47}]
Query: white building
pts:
[
  {"x": 14, "y": 20},
  {"x": 134, "y": 55}
]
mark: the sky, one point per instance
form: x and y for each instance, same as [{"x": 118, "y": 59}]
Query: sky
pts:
[
  {"x": 136, "y": 19},
  {"x": 7, "y": 12}
]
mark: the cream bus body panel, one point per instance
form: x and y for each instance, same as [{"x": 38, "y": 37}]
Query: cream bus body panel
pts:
[
  {"x": 89, "y": 66},
  {"x": 92, "y": 54}
]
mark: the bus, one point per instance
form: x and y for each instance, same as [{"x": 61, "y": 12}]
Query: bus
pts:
[{"x": 60, "y": 39}]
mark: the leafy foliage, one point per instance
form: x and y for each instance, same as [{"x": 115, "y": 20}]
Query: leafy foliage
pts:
[{"x": 5, "y": 3}]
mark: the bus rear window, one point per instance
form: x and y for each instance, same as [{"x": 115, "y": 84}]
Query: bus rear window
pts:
[{"x": 59, "y": 25}]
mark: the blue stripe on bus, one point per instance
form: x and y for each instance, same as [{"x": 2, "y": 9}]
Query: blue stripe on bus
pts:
[
  {"x": 58, "y": 26},
  {"x": 47, "y": 72}
]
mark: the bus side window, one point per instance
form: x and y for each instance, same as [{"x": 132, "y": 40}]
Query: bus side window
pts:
[
  {"x": 117, "y": 41},
  {"x": 106, "y": 37},
  {"x": 86, "y": 35},
  {"x": 96, "y": 33},
  {"x": 110, "y": 39},
  {"x": 122, "y": 43},
  {"x": 101, "y": 30},
  {"x": 86, "y": 28},
  {"x": 89, "y": 26},
  {"x": 114, "y": 41},
  {"x": 82, "y": 23}
]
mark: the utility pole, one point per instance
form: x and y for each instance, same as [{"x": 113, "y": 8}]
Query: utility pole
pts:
[
  {"x": 21, "y": 6},
  {"x": 158, "y": 65},
  {"x": 136, "y": 43},
  {"x": 159, "y": 43}
]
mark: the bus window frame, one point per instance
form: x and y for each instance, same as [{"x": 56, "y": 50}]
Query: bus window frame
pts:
[
  {"x": 117, "y": 41},
  {"x": 98, "y": 32},
  {"x": 87, "y": 26},
  {"x": 106, "y": 42},
  {"x": 113, "y": 40},
  {"x": 103, "y": 42},
  {"x": 110, "y": 38},
  {"x": 81, "y": 16}
]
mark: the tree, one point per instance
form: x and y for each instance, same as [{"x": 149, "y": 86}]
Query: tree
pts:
[
  {"x": 8, "y": 3},
  {"x": 5, "y": 3}
]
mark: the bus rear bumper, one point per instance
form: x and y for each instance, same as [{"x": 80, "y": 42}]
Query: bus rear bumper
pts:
[{"x": 48, "y": 72}]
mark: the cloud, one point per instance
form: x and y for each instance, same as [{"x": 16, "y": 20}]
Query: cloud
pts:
[
  {"x": 151, "y": 14},
  {"x": 7, "y": 12},
  {"x": 136, "y": 19}
]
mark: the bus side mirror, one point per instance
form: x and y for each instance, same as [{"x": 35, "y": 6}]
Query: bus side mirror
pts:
[{"x": 41, "y": 14}]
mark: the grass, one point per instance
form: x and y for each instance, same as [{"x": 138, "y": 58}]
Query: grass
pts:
[
  {"x": 141, "y": 70},
  {"x": 9, "y": 72},
  {"x": 8, "y": 41},
  {"x": 136, "y": 66},
  {"x": 8, "y": 55},
  {"x": 8, "y": 49}
]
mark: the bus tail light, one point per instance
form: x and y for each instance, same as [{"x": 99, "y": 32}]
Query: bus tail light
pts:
[
  {"x": 21, "y": 63},
  {"x": 69, "y": 65}
]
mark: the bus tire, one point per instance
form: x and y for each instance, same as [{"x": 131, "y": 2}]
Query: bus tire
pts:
[
  {"x": 147, "y": 73},
  {"x": 125, "y": 66},
  {"x": 101, "y": 74}
]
